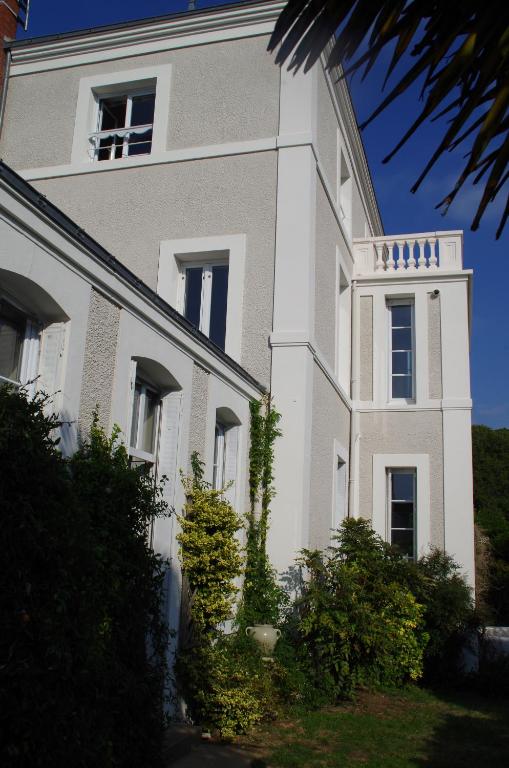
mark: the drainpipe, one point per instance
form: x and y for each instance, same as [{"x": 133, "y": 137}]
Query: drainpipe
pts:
[{"x": 353, "y": 496}]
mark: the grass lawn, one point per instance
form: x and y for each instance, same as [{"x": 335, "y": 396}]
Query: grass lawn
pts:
[{"x": 391, "y": 730}]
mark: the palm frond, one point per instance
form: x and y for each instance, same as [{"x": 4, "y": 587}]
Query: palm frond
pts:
[{"x": 459, "y": 49}]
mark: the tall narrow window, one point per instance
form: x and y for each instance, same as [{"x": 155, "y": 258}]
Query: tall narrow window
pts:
[
  {"x": 206, "y": 299},
  {"x": 341, "y": 488},
  {"x": 144, "y": 424},
  {"x": 402, "y": 510},
  {"x": 402, "y": 362},
  {"x": 124, "y": 127},
  {"x": 219, "y": 457},
  {"x": 19, "y": 345}
]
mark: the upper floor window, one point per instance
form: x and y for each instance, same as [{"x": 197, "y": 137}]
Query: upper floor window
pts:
[
  {"x": 19, "y": 345},
  {"x": 402, "y": 510},
  {"x": 124, "y": 126},
  {"x": 144, "y": 423},
  {"x": 206, "y": 298},
  {"x": 402, "y": 350}
]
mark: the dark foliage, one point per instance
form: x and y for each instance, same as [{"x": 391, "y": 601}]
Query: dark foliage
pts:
[
  {"x": 457, "y": 50},
  {"x": 491, "y": 502},
  {"x": 82, "y": 642}
]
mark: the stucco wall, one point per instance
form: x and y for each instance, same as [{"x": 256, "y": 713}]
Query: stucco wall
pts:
[
  {"x": 199, "y": 402},
  {"x": 327, "y": 131},
  {"x": 99, "y": 363},
  {"x": 330, "y": 421},
  {"x": 326, "y": 239},
  {"x": 434, "y": 347},
  {"x": 221, "y": 92},
  {"x": 131, "y": 211},
  {"x": 412, "y": 432},
  {"x": 366, "y": 347}
]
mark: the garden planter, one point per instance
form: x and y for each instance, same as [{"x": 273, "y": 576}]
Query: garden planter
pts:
[{"x": 266, "y": 636}]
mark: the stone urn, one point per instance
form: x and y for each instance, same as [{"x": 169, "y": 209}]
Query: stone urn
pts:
[{"x": 266, "y": 636}]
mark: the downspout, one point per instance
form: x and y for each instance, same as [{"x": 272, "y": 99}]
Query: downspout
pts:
[
  {"x": 354, "y": 415},
  {"x": 3, "y": 98}
]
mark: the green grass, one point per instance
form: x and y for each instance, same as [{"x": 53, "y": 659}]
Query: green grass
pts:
[{"x": 413, "y": 728}]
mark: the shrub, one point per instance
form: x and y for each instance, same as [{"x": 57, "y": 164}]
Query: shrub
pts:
[{"x": 79, "y": 683}]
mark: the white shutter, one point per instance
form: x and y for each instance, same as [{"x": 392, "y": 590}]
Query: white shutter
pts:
[
  {"x": 30, "y": 359},
  {"x": 51, "y": 360},
  {"x": 230, "y": 463},
  {"x": 168, "y": 444}
]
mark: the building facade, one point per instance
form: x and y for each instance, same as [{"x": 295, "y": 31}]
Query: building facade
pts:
[{"x": 238, "y": 196}]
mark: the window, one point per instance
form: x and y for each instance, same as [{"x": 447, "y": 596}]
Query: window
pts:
[
  {"x": 401, "y": 484},
  {"x": 124, "y": 126},
  {"x": 19, "y": 345},
  {"x": 219, "y": 457},
  {"x": 144, "y": 424},
  {"x": 341, "y": 489},
  {"x": 344, "y": 187},
  {"x": 206, "y": 299},
  {"x": 402, "y": 358}
]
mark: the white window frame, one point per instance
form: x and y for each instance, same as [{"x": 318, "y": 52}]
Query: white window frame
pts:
[
  {"x": 132, "y": 81},
  {"x": 175, "y": 254},
  {"x": 30, "y": 349},
  {"x": 219, "y": 455},
  {"x": 392, "y": 302},
  {"x": 125, "y": 132},
  {"x": 382, "y": 462},
  {"x": 135, "y": 451},
  {"x": 390, "y": 528}
]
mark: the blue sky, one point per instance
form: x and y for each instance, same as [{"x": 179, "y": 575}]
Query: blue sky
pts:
[{"x": 401, "y": 211}]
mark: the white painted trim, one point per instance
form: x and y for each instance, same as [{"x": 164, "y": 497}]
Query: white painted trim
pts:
[
  {"x": 380, "y": 520},
  {"x": 171, "y": 252},
  {"x": 178, "y": 31},
  {"x": 159, "y": 158},
  {"x": 341, "y": 452},
  {"x": 86, "y": 113}
]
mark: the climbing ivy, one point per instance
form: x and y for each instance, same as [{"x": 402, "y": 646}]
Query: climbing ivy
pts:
[{"x": 262, "y": 596}]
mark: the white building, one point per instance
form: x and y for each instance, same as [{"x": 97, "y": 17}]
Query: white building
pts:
[{"x": 239, "y": 195}]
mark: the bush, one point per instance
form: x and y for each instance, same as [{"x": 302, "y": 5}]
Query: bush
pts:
[
  {"x": 360, "y": 625},
  {"x": 82, "y": 642}
]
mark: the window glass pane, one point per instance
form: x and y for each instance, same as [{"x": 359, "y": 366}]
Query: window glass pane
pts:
[
  {"x": 12, "y": 333},
  {"x": 218, "y": 305},
  {"x": 402, "y": 363},
  {"x": 401, "y": 315},
  {"x": 402, "y": 488},
  {"x": 140, "y": 143},
  {"x": 402, "y": 338},
  {"x": 402, "y": 514},
  {"x": 135, "y": 416},
  {"x": 113, "y": 112},
  {"x": 402, "y": 386},
  {"x": 193, "y": 295},
  {"x": 143, "y": 109},
  {"x": 404, "y": 542},
  {"x": 149, "y": 422}
]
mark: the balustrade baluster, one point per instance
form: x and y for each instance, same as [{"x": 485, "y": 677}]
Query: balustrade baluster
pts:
[
  {"x": 379, "y": 250},
  {"x": 411, "y": 258},
  {"x": 432, "y": 258},
  {"x": 390, "y": 256},
  {"x": 422, "y": 254}
]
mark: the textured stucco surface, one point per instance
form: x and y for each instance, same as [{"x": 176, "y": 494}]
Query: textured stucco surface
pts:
[
  {"x": 99, "y": 363},
  {"x": 131, "y": 211},
  {"x": 221, "y": 92},
  {"x": 366, "y": 347},
  {"x": 327, "y": 132},
  {"x": 434, "y": 347},
  {"x": 358, "y": 214},
  {"x": 326, "y": 241},
  {"x": 199, "y": 401},
  {"x": 330, "y": 421},
  {"x": 412, "y": 432}
]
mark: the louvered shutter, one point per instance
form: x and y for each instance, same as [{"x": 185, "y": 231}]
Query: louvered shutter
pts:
[
  {"x": 51, "y": 360},
  {"x": 230, "y": 463},
  {"x": 168, "y": 444}
]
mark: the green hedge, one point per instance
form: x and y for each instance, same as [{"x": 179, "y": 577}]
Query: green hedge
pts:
[{"x": 82, "y": 649}]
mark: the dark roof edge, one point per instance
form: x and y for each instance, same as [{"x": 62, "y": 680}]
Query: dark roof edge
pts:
[
  {"x": 22, "y": 187},
  {"x": 132, "y": 23}
]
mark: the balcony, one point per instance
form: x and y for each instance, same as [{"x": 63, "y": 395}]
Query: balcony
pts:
[{"x": 405, "y": 255}]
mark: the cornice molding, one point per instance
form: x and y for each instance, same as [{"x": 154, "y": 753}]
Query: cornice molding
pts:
[{"x": 162, "y": 32}]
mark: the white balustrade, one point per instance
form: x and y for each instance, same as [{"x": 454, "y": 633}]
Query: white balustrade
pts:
[{"x": 403, "y": 254}]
